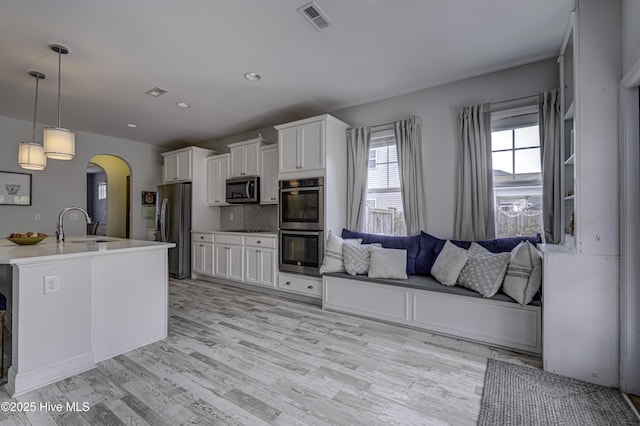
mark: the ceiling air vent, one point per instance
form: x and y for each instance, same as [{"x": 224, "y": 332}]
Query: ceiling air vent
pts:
[
  {"x": 314, "y": 15},
  {"x": 155, "y": 92}
]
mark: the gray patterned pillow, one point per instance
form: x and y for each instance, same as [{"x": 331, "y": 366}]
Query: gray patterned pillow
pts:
[
  {"x": 449, "y": 263},
  {"x": 356, "y": 256},
  {"x": 524, "y": 274},
  {"x": 484, "y": 270}
]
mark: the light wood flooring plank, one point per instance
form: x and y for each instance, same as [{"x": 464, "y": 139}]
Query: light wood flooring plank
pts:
[{"x": 236, "y": 357}]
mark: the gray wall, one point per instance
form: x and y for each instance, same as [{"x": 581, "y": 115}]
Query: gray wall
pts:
[
  {"x": 63, "y": 183},
  {"x": 630, "y": 34},
  {"x": 438, "y": 107}
]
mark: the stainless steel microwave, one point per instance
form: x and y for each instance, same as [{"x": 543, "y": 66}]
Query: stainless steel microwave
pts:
[{"x": 245, "y": 189}]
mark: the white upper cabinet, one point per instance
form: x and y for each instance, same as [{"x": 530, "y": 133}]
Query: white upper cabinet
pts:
[
  {"x": 177, "y": 166},
  {"x": 185, "y": 165},
  {"x": 269, "y": 177},
  {"x": 302, "y": 147},
  {"x": 245, "y": 158},
  {"x": 217, "y": 174}
]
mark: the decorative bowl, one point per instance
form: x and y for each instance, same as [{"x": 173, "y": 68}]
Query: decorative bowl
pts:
[{"x": 26, "y": 241}]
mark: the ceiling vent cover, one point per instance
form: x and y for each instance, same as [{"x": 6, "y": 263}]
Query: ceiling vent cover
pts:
[{"x": 315, "y": 16}]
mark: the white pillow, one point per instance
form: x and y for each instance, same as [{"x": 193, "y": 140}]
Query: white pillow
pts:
[
  {"x": 524, "y": 274},
  {"x": 356, "y": 257},
  {"x": 449, "y": 263},
  {"x": 388, "y": 263},
  {"x": 332, "y": 261},
  {"x": 484, "y": 271}
]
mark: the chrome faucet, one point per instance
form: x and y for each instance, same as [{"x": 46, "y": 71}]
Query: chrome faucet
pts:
[{"x": 60, "y": 232}]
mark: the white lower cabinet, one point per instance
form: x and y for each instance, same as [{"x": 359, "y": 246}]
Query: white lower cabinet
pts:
[
  {"x": 260, "y": 260},
  {"x": 202, "y": 254},
  {"x": 301, "y": 284},
  {"x": 227, "y": 261}
]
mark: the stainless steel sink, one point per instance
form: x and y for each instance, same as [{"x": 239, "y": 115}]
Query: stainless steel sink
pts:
[{"x": 90, "y": 241}]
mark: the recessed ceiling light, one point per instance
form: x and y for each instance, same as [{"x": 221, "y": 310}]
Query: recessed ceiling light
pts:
[
  {"x": 183, "y": 105},
  {"x": 132, "y": 125},
  {"x": 252, "y": 76}
]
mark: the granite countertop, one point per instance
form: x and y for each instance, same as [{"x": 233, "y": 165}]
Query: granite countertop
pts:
[{"x": 88, "y": 245}]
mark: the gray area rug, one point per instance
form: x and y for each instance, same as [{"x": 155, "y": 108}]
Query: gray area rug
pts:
[{"x": 517, "y": 395}]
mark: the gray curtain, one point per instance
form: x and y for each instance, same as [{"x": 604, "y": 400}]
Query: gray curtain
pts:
[
  {"x": 475, "y": 205},
  {"x": 358, "y": 142},
  {"x": 408, "y": 140},
  {"x": 550, "y": 125}
]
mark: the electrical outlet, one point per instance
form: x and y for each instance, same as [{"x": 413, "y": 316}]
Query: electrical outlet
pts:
[
  {"x": 37, "y": 217},
  {"x": 231, "y": 217},
  {"x": 74, "y": 216},
  {"x": 51, "y": 284}
]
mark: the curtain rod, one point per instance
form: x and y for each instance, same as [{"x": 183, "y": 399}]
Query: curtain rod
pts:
[{"x": 504, "y": 101}]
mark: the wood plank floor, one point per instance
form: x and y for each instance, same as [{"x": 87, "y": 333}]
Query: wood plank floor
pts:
[{"x": 236, "y": 357}]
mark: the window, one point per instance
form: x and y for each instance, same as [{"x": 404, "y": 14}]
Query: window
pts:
[
  {"x": 373, "y": 155},
  {"x": 102, "y": 190},
  {"x": 385, "y": 213},
  {"x": 517, "y": 172}
]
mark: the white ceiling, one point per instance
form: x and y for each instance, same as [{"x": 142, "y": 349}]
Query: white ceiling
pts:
[{"x": 199, "y": 50}]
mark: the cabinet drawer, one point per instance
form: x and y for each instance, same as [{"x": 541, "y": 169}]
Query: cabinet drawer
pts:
[
  {"x": 255, "y": 241},
  {"x": 202, "y": 237},
  {"x": 304, "y": 285},
  {"x": 230, "y": 239}
]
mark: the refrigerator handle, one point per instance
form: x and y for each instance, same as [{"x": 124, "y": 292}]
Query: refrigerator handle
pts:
[{"x": 163, "y": 220}]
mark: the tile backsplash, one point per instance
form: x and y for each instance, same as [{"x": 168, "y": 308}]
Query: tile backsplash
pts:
[{"x": 249, "y": 216}]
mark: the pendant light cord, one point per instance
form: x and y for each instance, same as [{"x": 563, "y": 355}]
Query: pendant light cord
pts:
[
  {"x": 35, "y": 110},
  {"x": 59, "y": 79}
]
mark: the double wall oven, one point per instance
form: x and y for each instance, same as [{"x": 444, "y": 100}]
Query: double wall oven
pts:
[{"x": 301, "y": 223}]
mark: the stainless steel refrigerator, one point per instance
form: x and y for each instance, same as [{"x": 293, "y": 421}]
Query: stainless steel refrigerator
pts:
[{"x": 173, "y": 224}]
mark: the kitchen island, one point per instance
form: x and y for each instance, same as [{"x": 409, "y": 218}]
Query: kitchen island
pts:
[{"x": 75, "y": 303}]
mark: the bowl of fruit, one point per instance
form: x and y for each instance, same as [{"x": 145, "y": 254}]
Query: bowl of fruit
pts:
[{"x": 26, "y": 238}]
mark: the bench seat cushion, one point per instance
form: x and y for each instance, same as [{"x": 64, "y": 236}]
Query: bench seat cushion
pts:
[{"x": 429, "y": 284}]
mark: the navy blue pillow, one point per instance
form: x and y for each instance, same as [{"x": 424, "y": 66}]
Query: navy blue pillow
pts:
[
  {"x": 430, "y": 248},
  {"x": 411, "y": 244}
]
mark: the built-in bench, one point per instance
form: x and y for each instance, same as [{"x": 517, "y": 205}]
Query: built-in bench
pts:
[{"x": 422, "y": 302}]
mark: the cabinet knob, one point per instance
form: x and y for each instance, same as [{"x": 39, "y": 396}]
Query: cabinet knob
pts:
[
  {"x": 288, "y": 283},
  {"x": 202, "y": 237},
  {"x": 258, "y": 242},
  {"x": 310, "y": 287}
]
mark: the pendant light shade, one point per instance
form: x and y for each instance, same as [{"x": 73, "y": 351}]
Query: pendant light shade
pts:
[
  {"x": 31, "y": 154},
  {"x": 59, "y": 143}
]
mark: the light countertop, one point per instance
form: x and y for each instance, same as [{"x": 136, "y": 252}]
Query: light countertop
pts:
[{"x": 87, "y": 245}]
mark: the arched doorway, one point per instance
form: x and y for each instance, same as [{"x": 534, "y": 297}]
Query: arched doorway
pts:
[{"x": 109, "y": 195}]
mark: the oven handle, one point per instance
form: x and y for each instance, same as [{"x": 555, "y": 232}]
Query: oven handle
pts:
[
  {"x": 288, "y": 231},
  {"x": 301, "y": 188}
]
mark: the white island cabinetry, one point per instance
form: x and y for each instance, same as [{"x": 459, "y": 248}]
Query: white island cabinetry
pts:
[{"x": 105, "y": 298}]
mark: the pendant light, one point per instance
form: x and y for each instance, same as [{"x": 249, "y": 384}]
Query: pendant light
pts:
[
  {"x": 31, "y": 154},
  {"x": 59, "y": 143}
]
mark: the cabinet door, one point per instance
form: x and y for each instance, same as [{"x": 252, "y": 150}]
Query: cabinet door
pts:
[
  {"x": 217, "y": 174},
  {"x": 252, "y": 265},
  {"x": 235, "y": 255},
  {"x": 170, "y": 168},
  {"x": 220, "y": 262},
  {"x": 207, "y": 262},
  {"x": 288, "y": 148},
  {"x": 311, "y": 146},
  {"x": 197, "y": 258},
  {"x": 237, "y": 161},
  {"x": 269, "y": 176},
  {"x": 252, "y": 160},
  {"x": 267, "y": 264}
]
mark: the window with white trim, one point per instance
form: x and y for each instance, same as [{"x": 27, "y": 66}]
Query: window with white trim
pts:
[
  {"x": 102, "y": 190},
  {"x": 385, "y": 212},
  {"x": 517, "y": 172}
]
